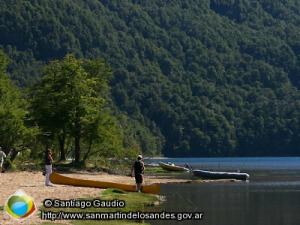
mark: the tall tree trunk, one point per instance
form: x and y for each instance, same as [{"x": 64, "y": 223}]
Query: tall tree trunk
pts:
[
  {"x": 77, "y": 140},
  {"x": 89, "y": 150},
  {"x": 77, "y": 149},
  {"x": 61, "y": 140}
]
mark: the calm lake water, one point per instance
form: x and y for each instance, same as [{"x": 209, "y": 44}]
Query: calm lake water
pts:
[{"x": 271, "y": 197}]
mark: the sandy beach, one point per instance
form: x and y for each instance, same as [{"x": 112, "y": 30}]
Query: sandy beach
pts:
[{"x": 32, "y": 183}]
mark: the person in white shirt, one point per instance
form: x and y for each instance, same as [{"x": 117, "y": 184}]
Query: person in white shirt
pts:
[
  {"x": 48, "y": 166},
  {"x": 2, "y": 157}
]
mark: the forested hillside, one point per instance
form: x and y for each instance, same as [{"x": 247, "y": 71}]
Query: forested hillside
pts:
[{"x": 204, "y": 78}]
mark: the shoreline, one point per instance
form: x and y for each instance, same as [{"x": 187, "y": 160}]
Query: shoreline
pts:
[{"x": 32, "y": 183}]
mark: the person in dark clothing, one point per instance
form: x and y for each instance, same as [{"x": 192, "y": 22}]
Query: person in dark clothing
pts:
[{"x": 137, "y": 171}]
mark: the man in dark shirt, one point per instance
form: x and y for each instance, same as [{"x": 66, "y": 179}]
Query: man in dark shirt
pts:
[{"x": 138, "y": 171}]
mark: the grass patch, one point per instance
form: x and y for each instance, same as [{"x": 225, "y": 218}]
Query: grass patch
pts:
[
  {"x": 160, "y": 172},
  {"x": 152, "y": 170},
  {"x": 155, "y": 170},
  {"x": 133, "y": 202}
]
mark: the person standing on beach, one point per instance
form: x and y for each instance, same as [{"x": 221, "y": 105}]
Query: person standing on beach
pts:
[
  {"x": 137, "y": 171},
  {"x": 2, "y": 157},
  {"x": 48, "y": 166}
]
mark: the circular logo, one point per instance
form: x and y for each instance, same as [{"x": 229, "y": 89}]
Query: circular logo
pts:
[{"x": 20, "y": 205}]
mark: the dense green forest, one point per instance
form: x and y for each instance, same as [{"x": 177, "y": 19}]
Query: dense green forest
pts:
[
  {"x": 189, "y": 78},
  {"x": 68, "y": 111}
]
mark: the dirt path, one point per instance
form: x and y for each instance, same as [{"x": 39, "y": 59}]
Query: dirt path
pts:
[{"x": 32, "y": 183}]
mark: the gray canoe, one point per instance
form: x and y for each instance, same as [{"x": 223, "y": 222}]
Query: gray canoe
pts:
[{"x": 212, "y": 175}]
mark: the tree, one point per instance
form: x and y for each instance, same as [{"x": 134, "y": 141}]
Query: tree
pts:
[
  {"x": 68, "y": 99},
  {"x": 14, "y": 135},
  {"x": 194, "y": 69}
]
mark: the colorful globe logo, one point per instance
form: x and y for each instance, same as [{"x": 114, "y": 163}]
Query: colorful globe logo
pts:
[{"x": 20, "y": 205}]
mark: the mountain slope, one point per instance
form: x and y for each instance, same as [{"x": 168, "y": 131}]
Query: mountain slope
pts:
[{"x": 219, "y": 77}]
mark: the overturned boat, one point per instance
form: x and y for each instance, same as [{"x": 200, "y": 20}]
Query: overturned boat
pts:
[{"x": 212, "y": 175}]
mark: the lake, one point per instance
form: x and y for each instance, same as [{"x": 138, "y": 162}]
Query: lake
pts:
[{"x": 271, "y": 197}]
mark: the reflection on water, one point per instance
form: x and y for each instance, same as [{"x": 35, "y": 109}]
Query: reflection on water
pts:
[
  {"x": 235, "y": 203},
  {"x": 271, "y": 197}
]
